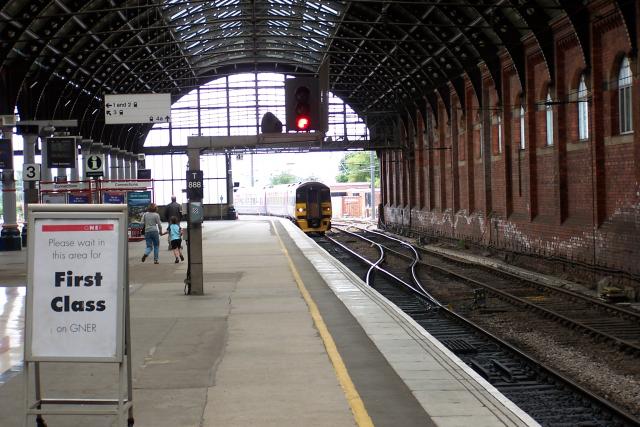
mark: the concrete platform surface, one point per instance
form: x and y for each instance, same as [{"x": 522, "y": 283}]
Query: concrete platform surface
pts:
[{"x": 253, "y": 350}]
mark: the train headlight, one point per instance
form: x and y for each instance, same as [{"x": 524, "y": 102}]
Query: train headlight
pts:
[{"x": 300, "y": 210}]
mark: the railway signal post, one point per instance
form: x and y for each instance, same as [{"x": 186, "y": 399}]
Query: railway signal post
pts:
[{"x": 195, "y": 183}]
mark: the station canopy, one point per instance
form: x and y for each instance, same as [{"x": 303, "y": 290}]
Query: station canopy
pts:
[{"x": 386, "y": 58}]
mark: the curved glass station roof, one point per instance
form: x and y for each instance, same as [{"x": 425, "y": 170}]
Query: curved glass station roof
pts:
[{"x": 384, "y": 58}]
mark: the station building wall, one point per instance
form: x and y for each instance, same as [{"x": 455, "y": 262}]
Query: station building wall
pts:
[{"x": 463, "y": 173}]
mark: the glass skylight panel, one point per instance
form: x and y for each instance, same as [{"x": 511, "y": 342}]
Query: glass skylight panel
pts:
[
  {"x": 179, "y": 14},
  {"x": 246, "y": 32},
  {"x": 233, "y": 24},
  {"x": 329, "y": 10},
  {"x": 229, "y": 14}
]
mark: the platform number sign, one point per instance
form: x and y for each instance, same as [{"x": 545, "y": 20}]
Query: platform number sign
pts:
[
  {"x": 195, "y": 185},
  {"x": 31, "y": 172}
]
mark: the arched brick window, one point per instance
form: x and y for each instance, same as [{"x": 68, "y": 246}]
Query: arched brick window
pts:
[
  {"x": 624, "y": 96},
  {"x": 583, "y": 110}
]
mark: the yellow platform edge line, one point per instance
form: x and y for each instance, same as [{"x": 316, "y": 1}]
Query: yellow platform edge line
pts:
[{"x": 356, "y": 404}]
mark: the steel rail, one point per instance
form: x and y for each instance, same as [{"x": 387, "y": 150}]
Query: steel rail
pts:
[
  {"x": 621, "y": 343},
  {"x": 626, "y": 416}
]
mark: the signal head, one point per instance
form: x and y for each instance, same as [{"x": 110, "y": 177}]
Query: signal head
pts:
[{"x": 303, "y": 122}]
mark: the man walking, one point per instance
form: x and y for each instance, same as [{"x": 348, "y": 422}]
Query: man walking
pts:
[{"x": 173, "y": 209}]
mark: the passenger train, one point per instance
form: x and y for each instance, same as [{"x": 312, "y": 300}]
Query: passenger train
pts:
[{"x": 307, "y": 204}]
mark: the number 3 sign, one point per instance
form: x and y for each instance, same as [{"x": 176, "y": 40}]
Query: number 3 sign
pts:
[{"x": 31, "y": 172}]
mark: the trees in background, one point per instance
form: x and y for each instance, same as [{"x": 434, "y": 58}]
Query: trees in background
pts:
[
  {"x": 289, "y": 178},
  {"x": 356, "y": 167}
]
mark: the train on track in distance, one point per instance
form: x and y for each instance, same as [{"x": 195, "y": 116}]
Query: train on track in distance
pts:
[{"x": 307, "y": 204}]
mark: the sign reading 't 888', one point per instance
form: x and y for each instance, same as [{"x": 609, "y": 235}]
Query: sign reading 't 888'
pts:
[{"x": 195, "y": 185}]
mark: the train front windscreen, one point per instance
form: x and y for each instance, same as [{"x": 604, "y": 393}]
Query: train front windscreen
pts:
[{"x": 313, "y": 197}]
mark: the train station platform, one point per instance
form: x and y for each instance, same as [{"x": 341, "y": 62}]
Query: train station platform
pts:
[{"x": 283, "y": 336}]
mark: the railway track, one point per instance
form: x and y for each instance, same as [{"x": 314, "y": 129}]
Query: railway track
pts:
[
  {"x": 538, "y": 390},
  {"x": 601, "y": 321}
]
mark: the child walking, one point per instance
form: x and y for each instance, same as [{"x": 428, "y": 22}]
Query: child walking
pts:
[{"x": 175, "y": 234}]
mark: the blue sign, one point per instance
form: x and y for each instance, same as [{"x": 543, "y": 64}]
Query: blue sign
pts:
[
  {"x": 78, "y": 198},
  {"x": 138, "y": 202},
  {"x": 113, "y": 198}
]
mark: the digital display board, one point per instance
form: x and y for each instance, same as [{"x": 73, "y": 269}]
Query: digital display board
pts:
[
  {"x": 144, "y": 173},
  {"x": 6, "y": 154},
  {"x": 62, "y": 152}
]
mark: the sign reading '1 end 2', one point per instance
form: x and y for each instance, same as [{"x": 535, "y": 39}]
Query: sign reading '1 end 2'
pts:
[{"x": 137, "y": 108}]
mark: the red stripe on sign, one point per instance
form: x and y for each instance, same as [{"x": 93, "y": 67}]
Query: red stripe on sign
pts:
[{"x": 77, "y": 227}]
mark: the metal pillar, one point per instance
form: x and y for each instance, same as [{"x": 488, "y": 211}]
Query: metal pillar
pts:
[
  {"x": 372, "y": 173},
  {"x": 126, "y": 158},
  {"x": 195, "y": 238},
  {"x": 10, "y": 239},
  {"x": 30, "y": 191},
  {"x": 108, "y": 162},
  {"x": 231, "y": 211},
  {"x": 74, "y": 173},
  {"x": 45, "y": 172},
  {"x": 121, "y": 154},
  {"x": 135, "y": 165},
  {"x": 85, "y": 151},
  {"x": 113, "y": 162}
]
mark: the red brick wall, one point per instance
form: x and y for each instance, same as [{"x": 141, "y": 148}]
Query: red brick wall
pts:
[{"x": 544, "y": 200}]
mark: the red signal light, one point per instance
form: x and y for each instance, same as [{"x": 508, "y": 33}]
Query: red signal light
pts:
[{"x": 302, "y": 123}]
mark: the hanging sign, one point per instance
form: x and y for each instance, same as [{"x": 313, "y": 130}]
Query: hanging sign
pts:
[
  {"x": 62, "y": 152},
  {"x": 76, "y": 279},
  {"x": 137, "y": 108}
]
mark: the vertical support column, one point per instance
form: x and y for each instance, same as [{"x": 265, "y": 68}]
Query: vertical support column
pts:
[
  {"x": 74, "y": 173},
  {"x": 109, "y": 153},
  {"x": 119, "y": 156},
  {"x": 231, "y": 212},
  {"x": 127, "y": 164},
  {"x": 441, "y": 155},
  {"x": 507, "y": 125},
  {"x": 455, "y": 173},
  {"x": 135, "y": 165},
  {"x": 45, "y": 172},
  {"x": 30, "y": 191},
  {"x": 372, "y": 176},
  {"x": 469, "y": 113},
  {"x": 10, "y": 235},
  {"x": 429, "y": 141},
  {"x": 106, "y": 150},
  {"x": 115, "y": 165},
  {"x": 485, "y": 140},
  {"x": 97, "y": 148},
  {"x": 195, "y": 237},
  {"x": 121, "y": 170},
  {"x": 85, "y": 151}
]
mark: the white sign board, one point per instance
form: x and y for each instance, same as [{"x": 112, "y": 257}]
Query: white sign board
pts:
[
  {"x": 76, "y": 284},
  {"x": 126, "y": 185},
  {"x": 64, "y": 186},
  {"x": 137, "y": 108},
  {"x": 31, "y": 172}
]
